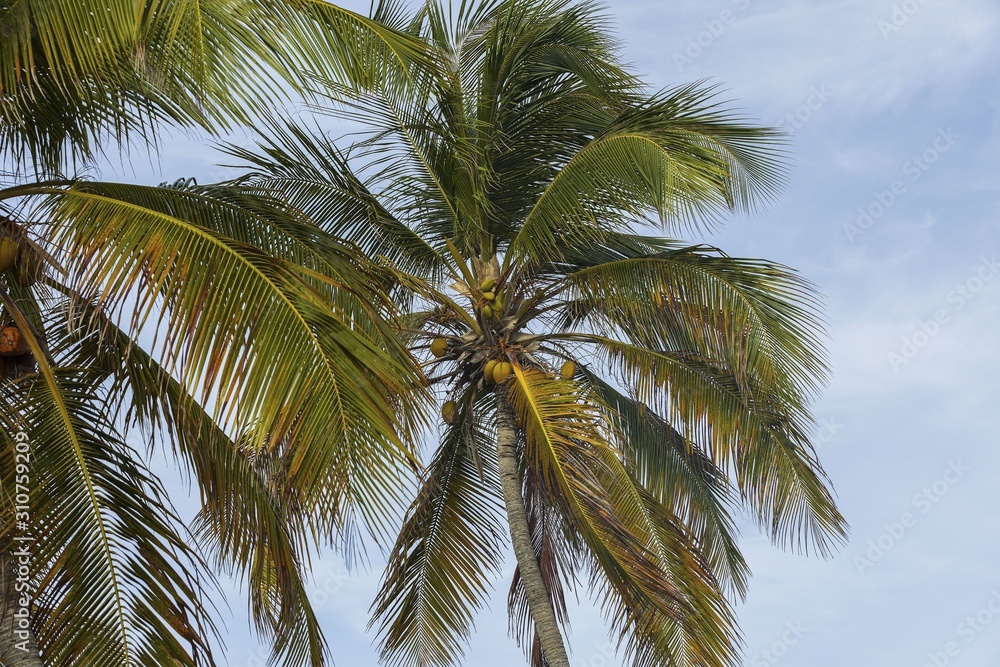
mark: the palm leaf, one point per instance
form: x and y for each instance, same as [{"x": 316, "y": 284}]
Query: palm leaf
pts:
[
  {"x": 439, "y": 572},
  {"x": 746, "y": 427},
  {"x": 245, "y": 522},
  {"x": 117, "y": 583},
  {"x": 679, "y": 475},
  {"x": 278, "y": 361},
  {"x": 673, "y": 155},
  {"x": 656, "y": 587}
]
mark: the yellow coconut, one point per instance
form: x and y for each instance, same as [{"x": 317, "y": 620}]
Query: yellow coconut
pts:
[
  {"x": 438, "y": 347},
  {"x": 488, "y": 368},
  {"x": 8, "y": 254},
  {"x": 449, "y": 412},
  {"x": 567, "y": 371},
  {"x": 502, "y": 371}
]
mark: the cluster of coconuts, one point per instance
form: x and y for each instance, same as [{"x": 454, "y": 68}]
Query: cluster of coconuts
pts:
[
  {"x": 494, "y": 370},
  {"x": 492, "y": 302},
  {"x": 498, "y": 371},
  {"x": 20, "y": 260}
]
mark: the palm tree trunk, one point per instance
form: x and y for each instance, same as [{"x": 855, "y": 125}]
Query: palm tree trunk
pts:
[
  {"x": 542, "y": 611},
  {"x": 18, "y": 647}
]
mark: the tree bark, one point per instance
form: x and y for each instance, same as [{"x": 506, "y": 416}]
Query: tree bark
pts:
[
  {"x": 539, "y": 602},
  {"x": 18, "y": 647}
]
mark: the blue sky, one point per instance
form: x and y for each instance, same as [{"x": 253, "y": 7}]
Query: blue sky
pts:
[{"x": 893, "y": 210}]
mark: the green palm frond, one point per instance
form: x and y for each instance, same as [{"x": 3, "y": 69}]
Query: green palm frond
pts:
[
  {"x": 757, "y": 316},
  {"x": 747, "y": 429},
  {"x": 439, "y": 572},
  {"x": 280, "y": 360},
  {"x": 76, "y": 73},
  {"x": 674, "y": 155},
  {"x": 246, "y": 522},
  {"x": 679, "y": 476},
  {"x": 655, "y": 586},
  {"x": 117, "y": 582},
  {"x": 309, "y": 173}
]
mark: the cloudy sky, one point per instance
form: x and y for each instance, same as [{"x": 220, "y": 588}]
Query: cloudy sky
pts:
[{"x": 893, "y": 210}]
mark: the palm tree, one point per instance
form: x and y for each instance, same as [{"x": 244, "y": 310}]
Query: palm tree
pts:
[
  {"x": 217, "y": 325},
  {"x": 613, "y": 396}
]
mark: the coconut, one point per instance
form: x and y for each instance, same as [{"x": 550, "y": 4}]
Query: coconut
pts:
[
  {"x": 488, "y": 368},
  {"x": 488, "y": 312},
  {"x": 489, "y": 296},
  {"x": 12, "y": 343},
  {"x": 502, "y": 371},
  {"x": 497, "y": 305},
  {"x": 487, "y": 284},
  {"x": 449, "y": 412},
  {"x": 567, "y": 371},
  {"x": 438, "y": 347},
  {"x": 8, "y": 253}
]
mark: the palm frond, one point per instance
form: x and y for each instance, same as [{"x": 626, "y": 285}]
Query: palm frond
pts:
[
  {"x": 117, "y": 582},
  {"x": 247, "y": 523},
  {"x": 758, "y": 316},
  {"x": 746, "y": 429},
  {"x": 675, "y": 155},
  {"x": 656, "y": 588},
  {"x": 273, "y": 354},
  {"x": 439, "y": 572},
  {"x": 74, "y": 74},
  {"x": 308, "y": 172},
  {"x": 679, "y": 475}
]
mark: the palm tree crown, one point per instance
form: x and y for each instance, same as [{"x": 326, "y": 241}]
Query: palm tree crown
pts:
[
  {"x": 612, "y": 396},
  {"x": 217, "y": 325}
]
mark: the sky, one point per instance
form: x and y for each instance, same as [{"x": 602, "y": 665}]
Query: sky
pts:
[{"x": 893, "y": 211}]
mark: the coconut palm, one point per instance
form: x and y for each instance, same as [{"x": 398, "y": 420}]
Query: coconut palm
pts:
[
  {"x": 219, "y": 326},
  {"x": 612, "y": 396}
]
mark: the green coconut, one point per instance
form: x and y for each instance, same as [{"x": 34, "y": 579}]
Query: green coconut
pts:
[
  {"x": 449, "y": 412},
  {"x": 497, "y": 305},
  {"x": 488, "y": 312},
  {"x": 8, "y": 254},
  {"x": 489, "y": 296},
  {"x": 487, "y": 284},
  {"x": 567, "y": 371},
  {"x": 438, "y": 347}
]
